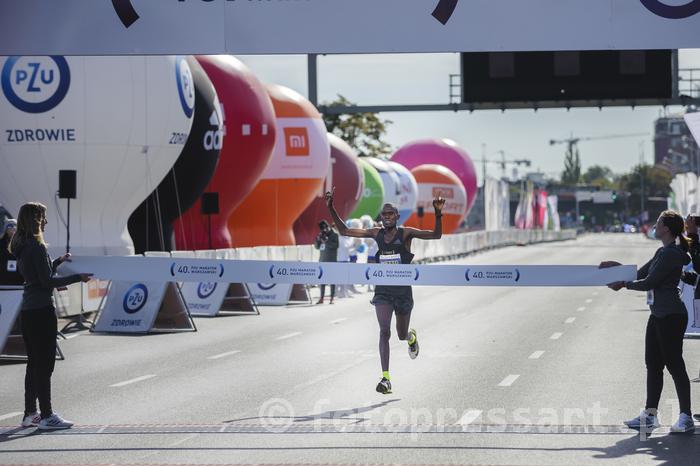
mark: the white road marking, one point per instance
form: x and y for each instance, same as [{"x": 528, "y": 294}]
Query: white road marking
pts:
[
  {"x": 556, "y": 336},
  {"x": 581, "y": 309},
  {"x": 570, "y": 320},
  {"x": 536, "y": 355},
  {"x": 137, "y": 379},
  {"x": 337, "y": 321},
  {"x": 10, "y": 415},
  {"x": 469, "y": 416},
  {"x": 289, "y": 335},
  {"x": 223, "y": 355},
  {"x": 508, "y": 381},
  {"x": 589, "y": 300}
]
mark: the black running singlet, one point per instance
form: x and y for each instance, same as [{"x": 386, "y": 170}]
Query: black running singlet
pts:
[{"x": 394, "y": 252}]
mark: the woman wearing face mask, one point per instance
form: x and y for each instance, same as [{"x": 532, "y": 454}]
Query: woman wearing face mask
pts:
[
  {"x": 667, "y": 323},
  {"x": 39, "y": 326}
]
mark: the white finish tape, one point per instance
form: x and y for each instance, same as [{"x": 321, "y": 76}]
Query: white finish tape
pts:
[{"x": 136, "y": 268}]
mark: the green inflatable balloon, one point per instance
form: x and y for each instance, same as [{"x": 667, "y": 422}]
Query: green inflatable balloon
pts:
[{"x": 373, "y": 195}]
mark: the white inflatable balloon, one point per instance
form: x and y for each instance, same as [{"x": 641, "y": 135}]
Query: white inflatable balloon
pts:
[
  {"x": 121, "y": 122},
  {"x": 408, "y": 199},
  {"x": 390, "y": 180}
]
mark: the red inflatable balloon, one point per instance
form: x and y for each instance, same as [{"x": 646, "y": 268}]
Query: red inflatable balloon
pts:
[
  {"x": 249, "y": 139},
  {"x": 347, "y": 178},
  {"x": 443, "y": 152}
]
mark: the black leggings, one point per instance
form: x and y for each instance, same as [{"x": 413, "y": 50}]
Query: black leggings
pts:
[
  {"x": 323, "y": 291},
  {"x": 664, "y": 348},
  {"x": 39, "y": 334},
  {"x": 384, "y": 314}
]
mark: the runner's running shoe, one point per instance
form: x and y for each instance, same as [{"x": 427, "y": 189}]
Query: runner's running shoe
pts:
[
  {"x": 384, "y": 386},
  {"x": 413, "y": 349}
]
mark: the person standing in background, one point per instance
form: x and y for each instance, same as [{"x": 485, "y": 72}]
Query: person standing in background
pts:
[
  {"x": 8, "y": 262},
  {"x": 327, "y": 243}
]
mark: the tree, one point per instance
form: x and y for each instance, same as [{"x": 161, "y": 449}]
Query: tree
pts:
[
  {"x": 596, "y": 172},
  {"x": 572, "y": 166},
  {"x": 657, "y": 181},
  {"x": 600, "y": 176},
  {"x": 364, "y": 132}
]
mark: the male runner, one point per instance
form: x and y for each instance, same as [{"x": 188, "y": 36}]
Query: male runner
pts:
[{"x": 394, "y": 247}]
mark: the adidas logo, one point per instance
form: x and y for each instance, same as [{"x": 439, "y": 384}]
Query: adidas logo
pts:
[{"x": 214, "y": 119}]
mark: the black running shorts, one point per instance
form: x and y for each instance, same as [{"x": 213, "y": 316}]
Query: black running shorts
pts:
[{"x": 399, "y": 297}]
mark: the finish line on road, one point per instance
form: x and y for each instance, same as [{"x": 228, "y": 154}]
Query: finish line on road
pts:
[{"x": 329, "y": 428}]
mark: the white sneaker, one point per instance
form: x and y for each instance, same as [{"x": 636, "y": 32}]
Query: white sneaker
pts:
[
  {"x": 54, "y": 422},
  {"x": 684, "y": 425},
  {"x": 645, "y": 422},
  {"x": 31, "y": 420}
]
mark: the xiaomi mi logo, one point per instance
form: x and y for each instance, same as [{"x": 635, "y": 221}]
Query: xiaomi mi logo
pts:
[{"x": 296, "y": 141}]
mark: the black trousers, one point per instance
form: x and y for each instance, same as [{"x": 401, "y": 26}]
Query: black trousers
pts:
[
  {"x": 39, "y": 330},
  {"x": 664, "y": 348},
  {"x": 323, "y": 291}
]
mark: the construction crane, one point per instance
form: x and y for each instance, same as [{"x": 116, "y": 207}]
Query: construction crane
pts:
[
  {"x": 502, "y": 162},
  {"x": 572, "y": 142}
]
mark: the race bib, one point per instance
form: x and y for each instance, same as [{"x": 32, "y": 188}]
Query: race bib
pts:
[
  {"x": 390, "y": 258},
  {"x": 12, "y": 266},
  {"x": 650, "y": 297}
]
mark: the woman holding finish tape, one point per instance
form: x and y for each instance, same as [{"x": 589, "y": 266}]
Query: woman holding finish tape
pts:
[
  {"x": 39, "y": 314},
  {"x": 667, "y": 323}
]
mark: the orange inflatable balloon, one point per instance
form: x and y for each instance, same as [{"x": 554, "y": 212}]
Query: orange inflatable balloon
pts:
[
  {"x": 433, "y": 181},
  {"x": 293, "y": 178}
]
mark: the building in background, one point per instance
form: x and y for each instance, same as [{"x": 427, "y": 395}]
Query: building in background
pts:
[{"x": 674, "y": 146}]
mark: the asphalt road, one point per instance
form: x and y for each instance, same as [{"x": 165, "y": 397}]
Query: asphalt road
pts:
[{"x": 505, "y": 376}]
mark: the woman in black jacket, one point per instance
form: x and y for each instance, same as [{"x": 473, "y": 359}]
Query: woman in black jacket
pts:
[
  {"x": 667, "y": 323},
  {"x": 38, "y": 315}
]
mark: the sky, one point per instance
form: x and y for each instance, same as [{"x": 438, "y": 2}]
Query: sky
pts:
[{"x": 521, "y": 134}]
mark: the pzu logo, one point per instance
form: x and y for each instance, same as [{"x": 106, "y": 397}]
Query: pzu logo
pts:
[
  {"x": 35, "y": 84},
  {"x": 205, "y": 289},
  {"x": 135, "y": 298},
  {"x": 185, "y": 85}
]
